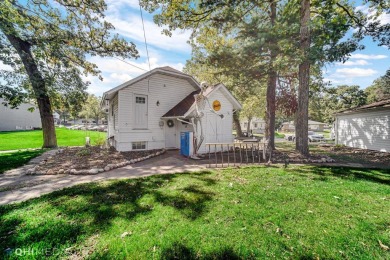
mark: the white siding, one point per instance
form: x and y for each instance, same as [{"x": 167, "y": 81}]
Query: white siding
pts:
[
  {"x": 18, "y": 119},
  {"x": 168, "y": 91},
  {"x": 113, "y": 116},
  {"x": 367, "y": 130},
  {"x": 217, "y": 130}
]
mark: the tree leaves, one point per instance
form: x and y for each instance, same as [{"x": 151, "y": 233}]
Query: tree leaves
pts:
[{"x": 61, "y": 34}]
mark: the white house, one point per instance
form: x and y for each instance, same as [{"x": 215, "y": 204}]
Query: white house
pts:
[
  {"x": 20, "y": 118},
  {"x": 150, "y": 111},
  {"x": 312, "y": 125},
  {"x": 257, "y": 125},
  {"x": 366, "y": 127}
]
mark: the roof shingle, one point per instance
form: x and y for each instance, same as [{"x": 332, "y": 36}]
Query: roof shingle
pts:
[
  {"x": 382, "y": 103},
  {"x": 183, "y": 106}
]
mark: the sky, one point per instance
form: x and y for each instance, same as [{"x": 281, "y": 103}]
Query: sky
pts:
[
  {"x": 361, "y": 69},
  {"x": 364, "y": 66},
  {"x": 163, "y": 50}
]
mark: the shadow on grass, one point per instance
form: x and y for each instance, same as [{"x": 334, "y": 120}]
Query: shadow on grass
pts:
[
  {"x": 180, "y": 251},
  {"x": 381, "y": 176},
  {"x": 191, "y": 206},
  {"x": 13, "y": 160},
  {"x": 75, "y": 213}
]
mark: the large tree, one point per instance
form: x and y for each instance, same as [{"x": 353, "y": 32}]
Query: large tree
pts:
[
  {"x": 68, "y": 102},
  {"x": 343, "y": 97},
  {"x": 379, "y": 89},
  {"x": 252, "y": 108},
  {"x": 47, "y": 44},
  {"x": 212, "y": 61},
  {"x": 91, "y": 109},
  {"x": 301, "y": 126},
  {"x": 247, "y": 23}
]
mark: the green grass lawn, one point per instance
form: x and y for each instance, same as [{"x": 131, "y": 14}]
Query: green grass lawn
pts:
[
  {"x": 33, "y": 139},
  {"x": 279, "y": 135},
  {"x": 15, "y": 159},
  {"x": 302, "y": 212}
]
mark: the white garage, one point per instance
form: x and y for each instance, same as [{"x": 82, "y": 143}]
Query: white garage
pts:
[
  {"x": 366, "y": 127},
  {"x": 153, "y": 110}
]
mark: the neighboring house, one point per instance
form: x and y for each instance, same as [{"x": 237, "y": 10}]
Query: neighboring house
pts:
[
  {"x": 57, "y": 118},
  {"x": 313, "y": 126},
  {"x": 19, "y": 118},
  {"x": 150, "y": 111},
  {"x": 288, "y": 126},
  {"x": 257, "y": 125},
  {"x": 366, "y": 127},
  {"x": 316, "y": 126}
]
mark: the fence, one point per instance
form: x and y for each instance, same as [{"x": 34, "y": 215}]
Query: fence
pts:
[{"x": 235, "y": 154}]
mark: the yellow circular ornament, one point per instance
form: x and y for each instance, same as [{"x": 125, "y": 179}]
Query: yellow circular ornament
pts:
[{"x": 216, "y": 105}]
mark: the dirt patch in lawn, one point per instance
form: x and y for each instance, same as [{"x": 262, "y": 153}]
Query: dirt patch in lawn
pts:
[
  {"x": 333, "y": 153},
  {"x": 348, "y": 154},
  {"x": 81, "y": 160},
  {"x": 294, "y": 157}
]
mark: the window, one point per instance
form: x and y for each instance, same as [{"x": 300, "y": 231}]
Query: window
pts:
[
  {"x": 138, "y": 145},
  {"x": 255, "y": 125},
  {"x": 245, "y": 124},
  {"x": 140, "y": 100}
]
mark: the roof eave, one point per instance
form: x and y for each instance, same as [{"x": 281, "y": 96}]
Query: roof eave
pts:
[
  {"x": 172, "y": 117},
  {"x": 109, "y": 94}
]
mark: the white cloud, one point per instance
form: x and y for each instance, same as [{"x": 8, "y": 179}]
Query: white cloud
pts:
[
  {"x": 353, "y": 72},
  {"x": 354, "y": 63},
  {"x": 384, "y": 19},
  {"x": 331, "y": 80},
  {"x": 129, "y": 24},
  {"x": 132, "y": 28},
  {"x": 120, "y": 76},
  {"x": 362, "y": 8},
  {"x": 371, "y": 13},
  {"x": 116, "y": 72},
  {"x": 368, "y": 56},
  {"x": 4, "y": 67},
  {"x": 116, "y": 4}
]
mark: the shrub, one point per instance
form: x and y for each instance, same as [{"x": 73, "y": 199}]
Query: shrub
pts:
[
  {"x": 100, "y": 141},
  {"x": 84, "y": 152}
]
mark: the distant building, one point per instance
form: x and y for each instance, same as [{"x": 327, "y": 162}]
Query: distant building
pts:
[
  {"x": 313, "y": 126},
  {"x": 19, "y": 118},
  {"x": 366, "y": 127},
  {"x": 257, "y": 125}
]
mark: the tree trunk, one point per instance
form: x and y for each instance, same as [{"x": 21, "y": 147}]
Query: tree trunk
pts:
[
  {"x": 236, "y": 120},
  {"x": 39, "y": 87},
  {"x": 271, "y": 86},
  {"x": 301, "y": 128},
  {"x": 248, "y": 127}
]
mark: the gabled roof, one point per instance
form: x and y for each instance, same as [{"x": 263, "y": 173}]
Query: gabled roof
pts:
[
  {"x": 187, "y": 105},
  {"x": 167, "y": 68},
  {"x": 161, "y": 70},
  {"x": 183, "y": 106},
  {"x": 378, "y": 104}
]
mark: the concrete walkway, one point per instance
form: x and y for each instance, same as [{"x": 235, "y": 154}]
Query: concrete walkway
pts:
[
  {"x": 15, "y": 186},
  {"x": 18, "y": 187}
]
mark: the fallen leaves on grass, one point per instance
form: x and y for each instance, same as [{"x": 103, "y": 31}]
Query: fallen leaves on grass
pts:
[
  {"x": 125, "y": 234},
  {"x": 383, "y": 246}
]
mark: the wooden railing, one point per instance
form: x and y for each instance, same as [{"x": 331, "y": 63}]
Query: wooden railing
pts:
[{"x": 235, "y": 154}]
